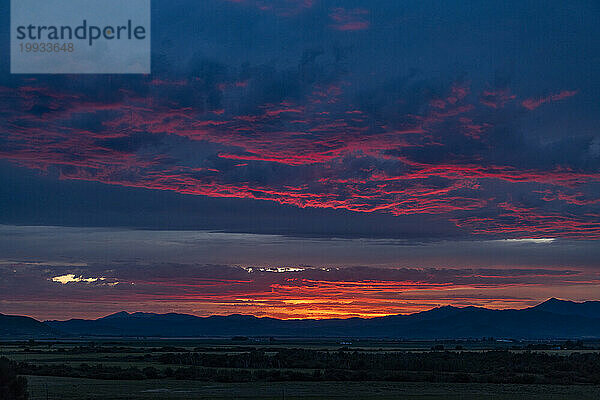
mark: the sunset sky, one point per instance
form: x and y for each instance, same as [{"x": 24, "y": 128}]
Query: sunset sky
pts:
[{"x": 310, "y": 158}]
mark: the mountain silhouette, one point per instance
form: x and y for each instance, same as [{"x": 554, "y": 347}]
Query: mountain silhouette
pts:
[
  {"x": 590, "y": 309},
  {"x": 559, "y": 319},
  {"x": 17, "y": 326}
]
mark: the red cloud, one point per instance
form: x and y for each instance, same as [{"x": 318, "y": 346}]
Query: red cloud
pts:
[
  {"x": 333, "y": 156},
  {"x": 349, "y": 20},
  {"x": 496, "y": 99},
  {"x": 532, "y": 104},
  {"x": 520, "y": 221}
]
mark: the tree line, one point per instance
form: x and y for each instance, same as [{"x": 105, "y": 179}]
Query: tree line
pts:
[
  {"x": 12, "y": 387},
  {"x": 318, "y": 365}
]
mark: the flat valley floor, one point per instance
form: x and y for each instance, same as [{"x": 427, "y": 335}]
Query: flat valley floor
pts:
[{"x": 42, "y": 388}]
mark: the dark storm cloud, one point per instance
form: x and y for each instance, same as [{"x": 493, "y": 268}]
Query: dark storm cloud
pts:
[
  {"x": 110, "y": 245},
  {"x": 431, "y": 116}
]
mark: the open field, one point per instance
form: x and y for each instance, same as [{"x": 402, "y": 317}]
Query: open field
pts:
[
  {"x": 306, "y": 369},
  {"x": 71, "y": 389}
]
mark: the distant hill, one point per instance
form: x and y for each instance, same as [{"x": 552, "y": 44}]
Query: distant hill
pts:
[
  {"x": 12, "y": 326},
  {"x": 590, "y": 309},
  {"x": 551, "y": 319}
]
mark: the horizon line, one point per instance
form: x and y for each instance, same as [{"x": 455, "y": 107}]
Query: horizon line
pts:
[{"x": 306, "y": 319}]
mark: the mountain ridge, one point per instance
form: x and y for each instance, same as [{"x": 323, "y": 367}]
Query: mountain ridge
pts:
[
  {"x": 17, "y": 325},
  {"x": 553, "y": 318}
]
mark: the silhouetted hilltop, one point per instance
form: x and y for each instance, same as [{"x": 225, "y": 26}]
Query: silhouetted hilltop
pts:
[
  {"x": 554, "y": 318},
  {"x": 17, "y": 326},
  {"x": 589, "y": 309},
  {"x": 551, "y": 319}
]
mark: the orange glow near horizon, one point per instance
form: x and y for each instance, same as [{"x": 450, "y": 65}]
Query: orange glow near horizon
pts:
[
  {"x": 299, "y": 293},
  {"x": 303, "y": 298}
]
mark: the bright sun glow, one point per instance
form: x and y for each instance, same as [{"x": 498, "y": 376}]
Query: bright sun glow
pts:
[{"x": 64, "y": 279}]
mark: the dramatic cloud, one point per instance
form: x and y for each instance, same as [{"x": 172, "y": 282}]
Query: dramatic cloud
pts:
[
  {"x": 315, "y": 132},
  {"x": 285, "y": 292},
  {"x": 211, "y": 272},
  {"x": 440, "y": 128},
  {"x": 319, "y": 150}
]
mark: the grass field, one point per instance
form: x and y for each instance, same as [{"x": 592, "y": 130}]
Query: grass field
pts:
[
  {"x": 141, "y": 354},
  {"x": 42, "y": 388}
]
